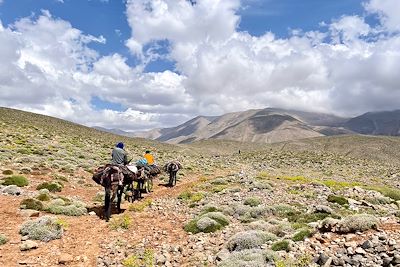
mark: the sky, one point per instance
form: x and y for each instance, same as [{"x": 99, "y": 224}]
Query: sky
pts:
[{"x": 143, "y": 64}]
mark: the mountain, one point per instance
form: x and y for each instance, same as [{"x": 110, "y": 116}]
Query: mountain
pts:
[
  {"x": 376, "y": 123},
  {"x": 258, "y": 125}
]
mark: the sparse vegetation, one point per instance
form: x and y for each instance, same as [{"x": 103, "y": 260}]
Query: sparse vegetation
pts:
[
  {"x": 140, "y": 206},
  {"x": 120, "y": 222},
  {"x": 146, "y": 260}
]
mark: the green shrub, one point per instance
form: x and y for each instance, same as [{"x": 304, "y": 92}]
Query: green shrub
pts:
[
  {"x": 44, "y": 228},
  {"x": 357, "y": 222},
  {"x": 301, "y": 235},
  {"x": 249, "y": 239},
  {"x": 393, "y": 193},
  {"x": 120, "y": 222},
  {"x": 219, "y": 181},
  {"x": 207, "y": 223},
  {"x": 146, "y": 260},
  {"x": 99, "y": 197},
  {"x": 43, "y": 197},
  {"x": 281, "y": 245},
  {"x": 31, "y": 204},
  {"x": 186, "y": 195},
  {"x": 252, "y": 201},
  {"x": 66, "y": 207},
  {"x": 141, "y": 205},
  {"x": 338, "y": 199},
  {"x": 209, "y": 209},
  {"x": 196, "y": 197},
  {"x": 17, "y": 180},
  {"x": 3, "y": 239},
  {"x": 7, "y": 172},
  {"x": 51, "y": 186}
]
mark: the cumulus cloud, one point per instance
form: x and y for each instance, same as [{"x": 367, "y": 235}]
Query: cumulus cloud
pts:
[
  {"x": 47, "y": 67},
  {"x": 348, "y": 67},
  {"x": 226, "y": 70}
]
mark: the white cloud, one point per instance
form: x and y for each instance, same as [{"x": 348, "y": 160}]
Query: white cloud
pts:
[
  {"x": 48, "y": 67},
  {"x": 388, "y": 12}
]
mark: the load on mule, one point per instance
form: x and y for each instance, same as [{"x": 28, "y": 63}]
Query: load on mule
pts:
[
  {"x": 172, "y": 168},
  {"x": 113, "y": 178}
]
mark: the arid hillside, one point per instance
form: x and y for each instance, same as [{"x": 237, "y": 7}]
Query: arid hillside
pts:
[{"x": 324, "y": 201}]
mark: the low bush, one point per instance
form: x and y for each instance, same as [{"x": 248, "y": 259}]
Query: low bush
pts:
[
  {"x": 3, "y": 239},
  {"x": 393, "y": 193},
  {"x": 44, "y": 229},
  {"x": 31, "y": 204},
  {"x": 43, "y": 197},
  {"x": 252, "y": 201},
  {"x": 357, "y": 222},
  {"x": 7, "y": 172},
  {"x": 338, "y": 199},
  {"x": 186, "y": 195},
  {"x": 141, "y": 205},
  {"x": 17, "y": 180},
  {"x": 51, "y": 186},
  {"x": 281, "y": 245},
  {"x": 68, "y": 207},
  {"x": 99, "y": 197},
  {"x": 247, "y": 257},
  {"x": 146, "y": 260},
  {"x": 219, "y": 181},
  {"x": 207, "y": 223},
  {"x": 249, "y": 239},
  {"x": 301, "y": 235},
  {"x": 120, "y": 222},
  {"x": 11, "y": 190}
]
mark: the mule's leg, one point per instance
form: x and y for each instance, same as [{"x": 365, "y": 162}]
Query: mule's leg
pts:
[
  {"x": 120, "y": 190},
  {"x": 174, "y": 179},
  {"x": 107, "y": 204},
  {"x": 171, "y": 179}
]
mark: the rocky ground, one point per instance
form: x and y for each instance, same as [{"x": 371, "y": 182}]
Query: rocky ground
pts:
[{"x": 275, "y": 206}]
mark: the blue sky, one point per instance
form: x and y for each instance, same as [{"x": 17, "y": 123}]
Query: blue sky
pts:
[{"x": 141, "y": 64}]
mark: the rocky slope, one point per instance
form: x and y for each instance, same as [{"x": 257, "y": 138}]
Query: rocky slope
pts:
[
  {"x": 314, "y": 202},
  {"x": 376, "y": 123}
]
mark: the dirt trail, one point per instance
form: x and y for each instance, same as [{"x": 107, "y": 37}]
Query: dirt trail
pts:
[{"x": 85, "y": 234}]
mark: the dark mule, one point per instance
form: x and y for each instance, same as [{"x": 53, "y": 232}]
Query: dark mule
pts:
[
  {"x": 172, "y": 168},
  {"x": 113, "y": 178}
]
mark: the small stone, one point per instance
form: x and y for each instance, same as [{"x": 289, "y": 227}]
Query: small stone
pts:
[
  {"x": 160, "y": 259},
  {"x": 28, "y": 245},
  {"x": 65, "y": 258},
  {"x": 92, "y": 213},
  {"x": 360, "y": 251},
  {"x": 367, "y": 244}
]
